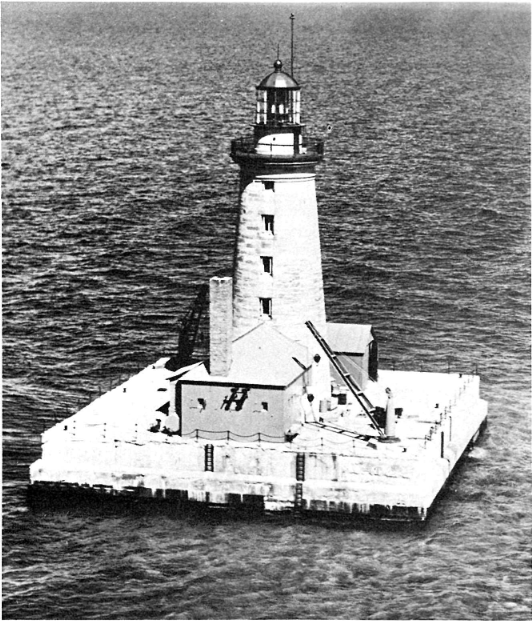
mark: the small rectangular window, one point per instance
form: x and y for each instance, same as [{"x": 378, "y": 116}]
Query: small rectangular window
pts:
[
  {"x": 265, "y": 406},
  {"x": 269, "y": 185},
  {"x": 267, "y": 222},
  {"x": 267, "y": 265},
  {"x": 266, "y": 306}
]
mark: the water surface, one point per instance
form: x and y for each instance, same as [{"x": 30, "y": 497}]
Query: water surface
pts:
[{"x": 120, "y": 198}]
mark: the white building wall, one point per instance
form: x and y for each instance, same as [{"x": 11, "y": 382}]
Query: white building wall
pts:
[
  {"x": 296, "y": 285},
  {"x": 251, "y": 419}
]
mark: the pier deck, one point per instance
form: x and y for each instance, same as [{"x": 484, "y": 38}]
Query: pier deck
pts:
[{"x": 336, "y": 464}]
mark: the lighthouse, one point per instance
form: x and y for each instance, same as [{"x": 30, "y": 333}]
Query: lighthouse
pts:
[
  {"x": 277, "y": 268},
  {"x": 277, "y": 272},
  {"x": 267, "y": 373},
  {"x": 286, "y": 413}
]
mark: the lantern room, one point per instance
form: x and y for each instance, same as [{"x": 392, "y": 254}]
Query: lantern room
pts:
[
  {"x": 277, "y": 138},
  {"x": 278, "y": 103}
]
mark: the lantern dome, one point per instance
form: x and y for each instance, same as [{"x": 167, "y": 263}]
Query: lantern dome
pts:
[
  {"x": 278, "y": 101},
  {"x": 278, "y": 79}
]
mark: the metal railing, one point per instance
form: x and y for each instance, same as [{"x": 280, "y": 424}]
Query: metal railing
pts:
[
  {"x": 205, "y": 434},
  {"x": 309, "y": 148},
  {"x": 447, "y": 365}
]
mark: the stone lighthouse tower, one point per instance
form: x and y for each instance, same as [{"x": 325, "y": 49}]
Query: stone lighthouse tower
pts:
[{"x": 277, "y": 271}]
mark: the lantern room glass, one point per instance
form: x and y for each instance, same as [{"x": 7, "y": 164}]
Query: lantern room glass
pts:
[{"x": 278, "y": 106}]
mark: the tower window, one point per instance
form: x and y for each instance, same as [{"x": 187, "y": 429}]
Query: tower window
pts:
[
  {"x": 267, "y": 222},
  {"x": 265, "y": 406},
  {"x": 266, "y": 306},
  {"x": 269, "y": 185},
  {"x": 267, "y": 265}
]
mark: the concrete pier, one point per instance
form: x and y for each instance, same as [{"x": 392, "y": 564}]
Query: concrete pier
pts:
[{"x": 336, "y": 465}]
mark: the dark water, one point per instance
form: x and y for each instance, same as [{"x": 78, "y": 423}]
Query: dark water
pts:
[{"x": 120, "y": 198}]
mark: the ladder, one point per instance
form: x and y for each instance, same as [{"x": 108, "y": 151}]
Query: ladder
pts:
[{"x": 364, "y": 402}]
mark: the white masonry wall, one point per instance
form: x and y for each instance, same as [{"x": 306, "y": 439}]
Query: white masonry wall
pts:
[{"x": 296, "y": 285}]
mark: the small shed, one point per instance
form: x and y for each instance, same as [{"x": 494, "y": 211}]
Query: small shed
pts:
[
  {"x": 357, "y": 349},
  {"x": 261, "y": 393}
]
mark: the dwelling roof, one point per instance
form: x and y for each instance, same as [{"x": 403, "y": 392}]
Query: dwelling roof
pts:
[
  {"x": 263, "y": 356},
  {"x": 349, "y": 338}
]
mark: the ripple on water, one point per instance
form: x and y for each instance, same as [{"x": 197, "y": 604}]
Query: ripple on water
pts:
[{"x": 120, "y": 198}]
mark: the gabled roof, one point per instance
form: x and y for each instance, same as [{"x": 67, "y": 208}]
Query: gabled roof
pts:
[
  {"x": 262, "y": 356},
  {"x": 349, "y": 338}
]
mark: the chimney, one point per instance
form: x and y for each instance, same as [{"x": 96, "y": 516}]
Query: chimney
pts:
[{"x": 220, "y": 325}]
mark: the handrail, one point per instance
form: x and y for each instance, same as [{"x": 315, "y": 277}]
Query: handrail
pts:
[
  {"x": 231, "y": 435},
  {"x": 248, "y": 145},
  {"x": 431, "y": 366}
]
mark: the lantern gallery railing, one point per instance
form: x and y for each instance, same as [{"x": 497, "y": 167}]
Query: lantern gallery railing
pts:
[{"x": 309, "y": 148}]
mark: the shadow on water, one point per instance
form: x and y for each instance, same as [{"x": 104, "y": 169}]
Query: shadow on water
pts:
[{"x": 114, "y": 506}]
